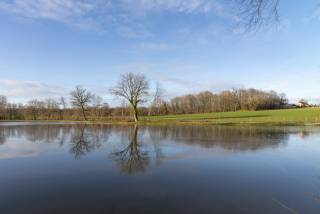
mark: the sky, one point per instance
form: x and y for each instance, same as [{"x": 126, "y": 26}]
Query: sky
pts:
[{"x": 47, "y": 47}]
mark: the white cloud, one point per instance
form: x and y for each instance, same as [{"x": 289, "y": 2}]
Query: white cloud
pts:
[
  {"x": 24, "y": 90},
  {"x": 60, "y": 10},
  {"x": 66, "y": 10},
  {"x": 174, "y": 76},
  {"x": 315, "y": 14},
  {"x": 72, "y": 12},
  {"x": 23, "y": 148},
  {"x": 188, "y": 86},
  {"x": 133, "y": 31},
  {"x": 187, "y": 6},
  {"x": 122, "y": 16},
  {"x": 154, "y": 46}
]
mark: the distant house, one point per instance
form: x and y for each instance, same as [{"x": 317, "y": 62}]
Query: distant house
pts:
[
  {"x": 288, "y": 106},
  {"x": 302, "y": 104}
]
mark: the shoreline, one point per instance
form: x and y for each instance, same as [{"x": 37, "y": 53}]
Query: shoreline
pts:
[{"x": 164, "y": 123}]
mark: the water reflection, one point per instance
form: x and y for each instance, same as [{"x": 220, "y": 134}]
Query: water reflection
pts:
[
  {"x": 2, "y": 136},
  {"x": 132, "y": 158},
  {"x": 228, "y": 137},
  {"x": 134, "y": 148},
  {"x": 83, "y": 141},
  {"x": 85, "y": 168}
]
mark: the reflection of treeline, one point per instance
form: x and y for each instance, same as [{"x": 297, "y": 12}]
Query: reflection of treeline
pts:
[
  {"x": 230, "y": 100},
  {"x": 227, "y": 137},
  {"x": 48, "y": 133},
  {"x": 62, "y": 133},
  {"x": 136, "y": 148},
  {"x": 81, "y": 138}
]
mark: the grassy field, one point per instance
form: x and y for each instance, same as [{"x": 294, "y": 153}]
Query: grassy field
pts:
[{"x": 306, "y": 116}]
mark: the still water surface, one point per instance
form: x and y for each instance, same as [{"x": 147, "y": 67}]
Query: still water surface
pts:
[{"x": 77, "y": 168}]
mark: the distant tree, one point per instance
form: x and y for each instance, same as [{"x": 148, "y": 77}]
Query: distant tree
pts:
[
  {"x": 3, "y": 105},
  {"x": 283, "y": 99},
  {"x": 51, "y": 108},
  {"x": 35, "y": 108},
  {"x": 97, "y": 101},
  {"x": 134, "y": 88},
  {"x": 81, "y": 98},
  {"x": 63, "y": 107},
  {"x": 63, "y": 103},
  {"x": 158, "y": 100},
  {"x": 14, "y": 111},
  {"x": 205, "y": 101},
  {"x": 3, "y": 101},
  {"x": 123, "y": 107},
  {"x": 99, "y": 108}
]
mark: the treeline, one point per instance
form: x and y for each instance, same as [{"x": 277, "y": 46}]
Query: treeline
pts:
[
  {"x": 95, "y": 109},
  {"x": 230, "y": 100},
  {"x": 50, "y": 109}
]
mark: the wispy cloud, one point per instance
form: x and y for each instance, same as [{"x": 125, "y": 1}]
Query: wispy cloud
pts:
[
  {"x": 154, "y": 46},
  {"x": 123, "y": 16},
  {"x": 185, "y": 6},
  {"x": 47, "y": 9},
  {"x": 316, "y": 13},
  {"x": 176, "y": 82},
  {"x": 67, "y": 11},
  {"x": 24, "y": 90},
  {"x": 197, "y": 86},
  {"x": 132, "y": 31}
]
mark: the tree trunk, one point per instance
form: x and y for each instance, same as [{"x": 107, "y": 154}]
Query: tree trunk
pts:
[
  {"x": 134, "y": 134},
  {"x": 135, "y": 113},
  {"x": 83, "y": 113}
]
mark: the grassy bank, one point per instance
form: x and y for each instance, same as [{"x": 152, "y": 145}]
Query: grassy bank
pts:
[{"x": 306, "y": 116}]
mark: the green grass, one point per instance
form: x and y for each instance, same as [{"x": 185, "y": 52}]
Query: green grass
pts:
[{"x": 306, "y": 116}]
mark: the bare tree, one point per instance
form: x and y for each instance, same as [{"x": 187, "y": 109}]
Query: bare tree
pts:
[
  {"x": 254, "y": 13},
  {"x": 3, "y": 105},
  {"x": 81, "y": 98},
  {"x": 63, "y": 107},
  {"x": 158, "y": 99},
  {"x": 63, "y": 102},
  {"x": 35, "y": 108},
  {"x": 3, "y": 101},
  {"x": 134, "y": 88},
  {"x": 98, "y": 106}
]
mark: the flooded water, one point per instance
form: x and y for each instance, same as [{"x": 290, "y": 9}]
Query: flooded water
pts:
[{"x": 77, "y": 168}]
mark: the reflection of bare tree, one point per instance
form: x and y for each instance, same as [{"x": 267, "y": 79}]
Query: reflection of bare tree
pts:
[
  {"x": 159, "y": 156},
  {"x": 156, "y": 137},
  {"x": 82, "y": 142},
  {"x": 2, "y": 136},
  {"x": 131, "y": 159}
]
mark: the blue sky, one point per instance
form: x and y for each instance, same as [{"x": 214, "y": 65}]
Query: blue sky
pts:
[{"x": 50, "y": 46}]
